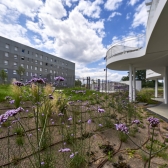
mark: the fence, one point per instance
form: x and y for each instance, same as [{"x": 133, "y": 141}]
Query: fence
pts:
[{"x": 100, "y": 85}]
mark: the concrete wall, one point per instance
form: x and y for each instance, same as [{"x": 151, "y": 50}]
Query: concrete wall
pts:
[{"x": 138, "y": 84}]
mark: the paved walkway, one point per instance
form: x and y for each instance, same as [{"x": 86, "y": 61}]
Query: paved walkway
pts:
[{"x": 161, "y": 109}]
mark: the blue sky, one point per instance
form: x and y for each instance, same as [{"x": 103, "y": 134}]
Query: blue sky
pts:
[{"x": 78, "y": 30}]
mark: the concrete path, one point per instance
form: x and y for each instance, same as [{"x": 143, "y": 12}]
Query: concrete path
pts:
[{"x": 161, "y": 109}]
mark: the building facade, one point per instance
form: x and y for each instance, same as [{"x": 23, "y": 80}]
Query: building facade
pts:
[{"x": 35, "y": 62}]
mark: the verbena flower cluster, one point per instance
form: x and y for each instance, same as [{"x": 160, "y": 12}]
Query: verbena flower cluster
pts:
[
  {"x": 153, "y": 121},
  {"x": 18, "y": 83},
  {"x": 65, "y": 150},
  {"x": 37, "y": 80},
  {"x": 122, "y": 128},
  {"x": 59, "y": 78},
  {"x": 4, "y": 117}
]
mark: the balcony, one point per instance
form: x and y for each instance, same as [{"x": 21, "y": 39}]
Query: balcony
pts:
[{"x": 127, "y": 45}]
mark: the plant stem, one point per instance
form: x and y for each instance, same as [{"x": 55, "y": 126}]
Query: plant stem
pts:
[{"x": 150, "y": 154}]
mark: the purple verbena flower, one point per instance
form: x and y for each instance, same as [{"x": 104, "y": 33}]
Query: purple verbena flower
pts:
[
  {"x": 59, "y": 78},
  {"x": 18, "y": 83},
  {"x": 136, "y": 122},
  {"x": 122, "y": 128},
  {"x": 89, "y": 121},
  {"x": 70, "y": 118},
  {"x": 153, "y": 121},
  {"x": 101, "y": 110},
  {"x": 12, "y": 101},
  {"x": 65, "y": 150}
]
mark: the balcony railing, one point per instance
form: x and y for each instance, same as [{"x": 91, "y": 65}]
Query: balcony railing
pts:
[{"x": 127, "y": 45}]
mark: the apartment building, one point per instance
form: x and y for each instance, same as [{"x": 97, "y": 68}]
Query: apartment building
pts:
[{"x": 35, "y": 62}]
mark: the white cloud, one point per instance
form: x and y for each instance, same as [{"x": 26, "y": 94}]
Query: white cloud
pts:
[
  {"x": 102, "y": 63},
  {"x": 90, "y": 9},
  {"x": 112, "y": 4},
  {"x": 132, "y": 2},
  {"x": 96, "y": 73},
  {"x": 75, "y": 37},
  {"x": 26, "y": 7},
  {"x": 113, "y": 15},
  {"x": 54, "y": 9},
  {"x": 128, "y": 16},
  {"x": 140, "y": 16},
  {"x": 69, "y": 2}
]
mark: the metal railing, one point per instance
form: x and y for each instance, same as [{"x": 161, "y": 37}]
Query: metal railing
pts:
[{"x": 129, "y": 44}]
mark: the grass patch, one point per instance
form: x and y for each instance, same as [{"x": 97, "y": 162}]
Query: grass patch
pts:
[{"x": 5, "y": 90}]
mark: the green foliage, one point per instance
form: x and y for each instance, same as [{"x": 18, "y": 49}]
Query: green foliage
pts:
[
  {"x": 77, "y": 161},
  {"x": 78, "y": 83},
  {"x": 145, "y": 96},
  {"x": 123, "y": 137},
  {"x": 3, "y": 75},
  {"x": 20, "y": 71},
  {"x": 5, "y": 90},
  {"x": 19, "y": 141},
  {"x": 19, "y": 131}
]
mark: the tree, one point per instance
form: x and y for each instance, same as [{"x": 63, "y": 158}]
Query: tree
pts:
[
  {"x": 78, "y": 83},
  {"x": 3, "y": 75},
  {"x": 125, "y": 78},
  {"x": 20, "y": 71}
]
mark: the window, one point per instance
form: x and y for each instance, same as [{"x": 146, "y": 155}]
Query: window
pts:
[
  {"x": 7, "y": 46},
  {"x": 41, "y": 56},
  {"x": 50, "y": 71},
  {"x": 35, "y": 68},
  {"x": 54, "y": 72},
  {"x": 35, "y": 61},
  {"x": 51, "y": 59},
  {"x": 41, "y": 63},
  {"x": 27, "y": 59},
  {"x": 63, "y": 63},
  {"x": 27, "y": 74},
  {"x": 22, "y": 58},
  {"x": 45, "y": 70},
  {"x": 55, "y": 60},
  {"x": 6, "y": 70},
  {"x": 15, "y": 63},
  {"x": 51, "y": 77},
  {"x": 5, "y": 62},
  {"x": 14, "y": 72},
  {"x": 51, "y": 64},
  {"x": 27, "y": 52},
  {"x": 27, "y": 66},
  {"x": 46, "y": 64},
  {"x": 46, "y": 58},
  {"x": 16, "y": 48},
  {"x": 40, "y": 69},
  {"x": 31, "y": 67},
  {"x": 6, "y": 54},
  {"x": 22, "y": 65},
  {"x": 23, "y": 50},
  {"x": 15, "y": 56},
  {"x": 36, "y": 55},
  {"x": 31, "y": 74}
]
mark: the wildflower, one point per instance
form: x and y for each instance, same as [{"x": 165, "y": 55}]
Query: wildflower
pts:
[
  {"x": 122, "y": 128},
  {"x": 136, "y": 122},
  {"x": 73, "y": 154},
  {"x": 42, "y": 163},
  {"x": 101, "y": 110},
  {"x": 12, "y": 101},
  {"x": 153, "y": 121},
  {"x": 70, "y": 118},
  {"x": 89, "y": 121},
  {"x": 100, "y": 125},
  {"x": 59, "y": 78},
  {"x": 50, "y": 96},
  {"x": 65, "y": 150},
  {"x": 52, "y": 122},
  {"x": 60, "y": 114},
  {"x": 18, "y": 83}
]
